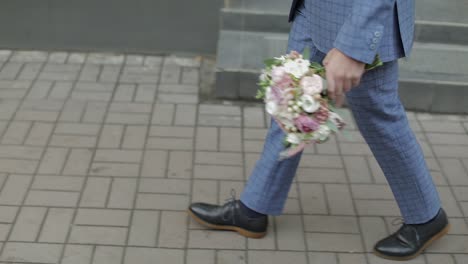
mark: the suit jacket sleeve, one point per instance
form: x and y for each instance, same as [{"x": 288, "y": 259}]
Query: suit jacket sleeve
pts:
[{"x": 360, "y": 35}]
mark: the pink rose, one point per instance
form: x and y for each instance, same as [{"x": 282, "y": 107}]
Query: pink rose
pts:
[
  {"x": 306, "y": 124},
  {"x": 294, "y": 55},
  {"x": 277, "y": 74},
  {"x": 281, "y": 78},
  {"x": 312, "y": 84}
]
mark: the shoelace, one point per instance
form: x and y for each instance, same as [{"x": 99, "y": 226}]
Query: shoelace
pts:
[
  {"x": 405, "y": 229},
  {"x": 230, "y": 203}
]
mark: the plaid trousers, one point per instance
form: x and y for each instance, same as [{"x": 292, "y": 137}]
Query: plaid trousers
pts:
[{"x": 382, "y": 121}]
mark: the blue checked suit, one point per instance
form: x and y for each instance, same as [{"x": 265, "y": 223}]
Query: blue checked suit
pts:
[{"x": 375, "y": 105}]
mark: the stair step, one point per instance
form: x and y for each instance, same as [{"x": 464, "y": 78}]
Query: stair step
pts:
[
  {"x": 450, "y": 25},
  {"x": 433, "y": 79}
]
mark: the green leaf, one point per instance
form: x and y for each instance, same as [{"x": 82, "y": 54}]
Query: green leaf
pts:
[
  {"x": 270, "y": 62},
  {"x": 306, "y": 53},
  {"x": 332, "y": 126},
  {"x": 376, "y": 63}
]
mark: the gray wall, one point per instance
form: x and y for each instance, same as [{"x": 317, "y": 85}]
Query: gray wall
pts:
[{"x": 155, "y": 26}]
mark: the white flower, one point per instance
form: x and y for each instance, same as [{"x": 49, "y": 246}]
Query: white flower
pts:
[
  {"x": 293, "y": 138},
  {"x": 322, "y": 133},
  {"x": 336, "y": 119},
  {"x": 297, "y": 67},
  {"x": 271, "y": 108},
  {"x": 312, "y": 84},
  {"x": 263, "y": 77},
  {"x": 309, "y": 104},
  {"x": 277, "y": 73}
]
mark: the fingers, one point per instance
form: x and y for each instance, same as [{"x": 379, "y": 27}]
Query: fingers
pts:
[{"x": 339, "y": 101}]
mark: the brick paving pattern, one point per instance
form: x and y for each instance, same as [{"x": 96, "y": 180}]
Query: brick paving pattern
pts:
[{"x": 100, "y": 155}]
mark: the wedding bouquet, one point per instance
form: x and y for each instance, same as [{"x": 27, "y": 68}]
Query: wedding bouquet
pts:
[{"x": 293, "y": 89}]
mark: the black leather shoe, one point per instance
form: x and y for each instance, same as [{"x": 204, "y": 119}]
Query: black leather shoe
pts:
[
  {"x": 411, "y": 240},
  {"x": 229, "y": 217}
]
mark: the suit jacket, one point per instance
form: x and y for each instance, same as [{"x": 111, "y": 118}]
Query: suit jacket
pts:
[{"x": 360, "y": 28}]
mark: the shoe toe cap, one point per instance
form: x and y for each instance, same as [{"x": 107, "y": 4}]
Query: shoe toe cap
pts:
[
  {"x": 201, "y": 209},
  {"x": 393, "y": 247}
]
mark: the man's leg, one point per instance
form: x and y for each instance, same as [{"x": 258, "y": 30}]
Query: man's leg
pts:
[
  {"x": 268, "y": 185},
  {"x": 382, "y": 121}
]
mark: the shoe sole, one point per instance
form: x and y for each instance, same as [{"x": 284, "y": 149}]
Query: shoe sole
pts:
[
  {"x": 239, "y": 230},
  {"x": 442, "y": 233}
]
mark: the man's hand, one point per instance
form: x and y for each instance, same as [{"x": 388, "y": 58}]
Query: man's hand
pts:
[{"x": 342, "y": 73}]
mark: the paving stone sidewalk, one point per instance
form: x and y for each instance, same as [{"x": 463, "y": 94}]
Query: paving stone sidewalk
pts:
[{"x": 100, "y": 155}]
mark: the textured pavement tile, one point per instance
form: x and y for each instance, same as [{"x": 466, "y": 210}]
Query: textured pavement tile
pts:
[
  {"x": 276, "y": 257},
  {"x": 254, "y": 117},
  {"x": 52, "y": 198},
  {"x": 180, "y": 164},
  {"x": 108, "y": 255},
  {"x": 28, "y": 224},
  {"x": 163, "y": 114},
  {"x": 154, "y": 163},
  {"x": 95, "y": 192},
  {"x": 114, "y": 169},
  {"x": 371, "y": 191},
  {"x": 231, "y": 256},
  {"x": 153, "y": 255},
  {"x": 15, "y": 189},
  {"x": 173, "y": 229},
  {"x": 313, "y": 198},
  {"x": 324, "y": 175},
  {"x": 8, "y": 213},
  {"x": 144, "y": 228},
  {"x": 39, "y": 134},
  {"x": 31, "y": 252},
  {"x": 208, "y": 239},
  {"x": 207, "y": 138},
  {"x": 60, "y": 183},
  {"x": 321, "y": 161},
  {"x": 358, "y": 169},
  {"x": 440, "y": 258},
  {"x": 331, "y": 224},
  {"x": 77, "y": 254},
  {"x": 201, "y": 256},
  {"x": 205, "y": 191},
  {"x": 102, "y": 217},
  {"x": 218, "y": 158},
  {"x": 448, "y": 202},
  {"x": 443, "y": 127},
  {"x": 98, "y": 235},
  {"x": 450, "y": 244},
  {"x": 164, "y": 186},
  {"x": 106, "y": 152},
  {"x": 460, "y": 259},
  {"x": 268, "y": 242},
  {"x": 216, "y": 172},
  {"x": 56, "y": 225},
  {"x": 339, "y": 199},
  {"x": 454, "y": 170},
  {"x": 334, "y": 242},
  {"x": 376, "y": 260},
  {"x": 319, "y": 258},
  {"x": 290, "y": 232},
  {"x": 122, "y": 193},
  {"x": 162, "y": 202},
  {"x": 377, "y": 208}
]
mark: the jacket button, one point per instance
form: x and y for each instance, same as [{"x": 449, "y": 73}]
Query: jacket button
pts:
[
  {"x": 372, "y": 46},
  {"x": 375, "y": 40},
  {"x": 377, "y": 34}
]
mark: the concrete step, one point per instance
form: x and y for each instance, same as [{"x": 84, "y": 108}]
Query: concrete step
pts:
[
  {"x": 436, "y": 21},
  {"x": 434, "y": 79}
]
